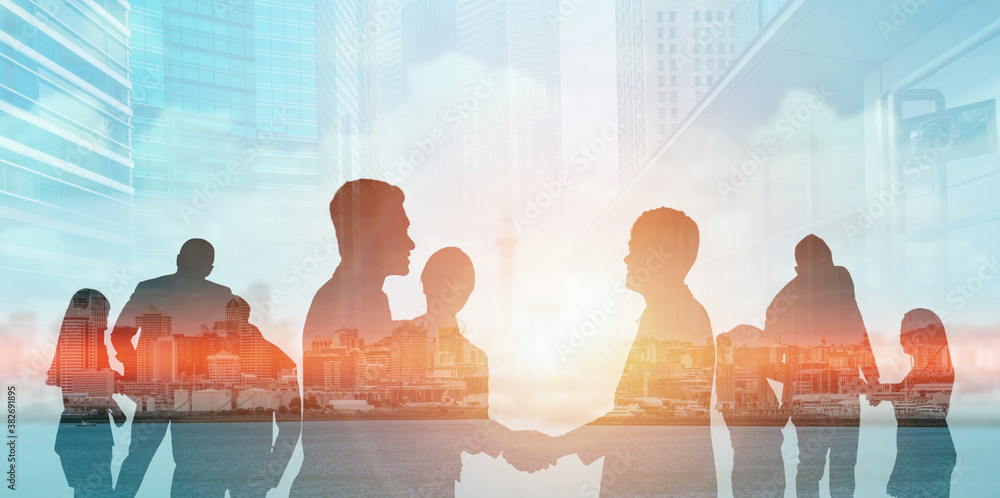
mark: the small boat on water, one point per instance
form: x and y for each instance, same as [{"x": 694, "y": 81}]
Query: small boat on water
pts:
[{"x": 84, "y": 423}]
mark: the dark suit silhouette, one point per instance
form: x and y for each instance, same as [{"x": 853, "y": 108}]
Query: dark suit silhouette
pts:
[
  {"x": 371, "y": 227},
  {"x": 372, "y": 238},
  {"x": 193, "y": 322},
  {"x": 191, "y": 301},
  {"x": 187, "y": 295}
]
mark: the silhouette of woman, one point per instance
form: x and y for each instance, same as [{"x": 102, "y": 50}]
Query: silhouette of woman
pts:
[
  {"x": 448, "y": 280},
  {"x": 925, "y": 452},
  {"x": 80, "y": 368}
]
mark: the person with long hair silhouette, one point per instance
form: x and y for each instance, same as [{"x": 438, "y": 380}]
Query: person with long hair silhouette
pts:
[
  {"x": 350, "y": 315},
  {"x": 80, "y": 367},
  {"x": 447, "y": 280},
  {"x": 925, "y": 452}
]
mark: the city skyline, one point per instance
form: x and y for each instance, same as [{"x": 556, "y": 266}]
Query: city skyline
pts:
[
  {"x": 871, "y": 127},
  {"x": 411, "y": 364}
]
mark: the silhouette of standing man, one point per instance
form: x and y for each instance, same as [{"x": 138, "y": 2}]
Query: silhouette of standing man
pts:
[
  {"x": 662, "y": 249},
  {"x": 371, "y": 228},
  {"x": 191, "y": 301},
  {"x": 186, "y": 295},
  {"x": 372, "y": 238},
  {"x": 814, "y": 314},
  {"x": 173, "y": 353}
]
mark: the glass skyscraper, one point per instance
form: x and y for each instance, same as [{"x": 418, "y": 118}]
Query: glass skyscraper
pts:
[
  {"x": 413, "y": 96},
  {"x": 66, "y": 185},
  {"x": 195, "y": 106},
  {"x": 670, "y": 54},
  {"x": 287, "y": 162},
  {"x": 225, "y": 105},
  {"x": 347, "y": 91},
  {"x": 285, "y": 64},
  {"x": 510, "y": 51}
]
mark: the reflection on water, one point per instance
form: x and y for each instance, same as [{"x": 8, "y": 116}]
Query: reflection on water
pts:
[{"x": 375, "y": 454}]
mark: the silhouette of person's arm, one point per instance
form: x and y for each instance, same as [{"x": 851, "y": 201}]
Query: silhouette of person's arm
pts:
[
  {"x": 849, "y": 319},
  {"x": 779, "y": 317},
  {"x": 724, "y": 370},
  {"x": 868, "y": 366},
  {"x": 852, "y": 314},
  {"x": 124, "y": 330}
]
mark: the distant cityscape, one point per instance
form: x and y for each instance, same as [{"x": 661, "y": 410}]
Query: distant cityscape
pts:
[
  {"x": 823, "y": 381},
  {"x": 230, "y": 366},
  {"x": 407, "y": 368},
  {"x": 666, "y": 378},
  {"x": 225, "y": 367},
  {"x": 670, "y": 379},
  {"x": 156, "y": 101}
]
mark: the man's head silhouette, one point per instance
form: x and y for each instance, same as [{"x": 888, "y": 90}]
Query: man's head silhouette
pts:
[
  {"x": 448, "y": 279},
  {"x": 196, "y": 258},
  {"x": 812, "y": 253},
  {"x": 662, "y": 249},
  {"x": 371, "y": 227}
]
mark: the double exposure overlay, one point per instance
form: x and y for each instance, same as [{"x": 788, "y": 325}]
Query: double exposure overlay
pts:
[{"x": 500, "y": 247}]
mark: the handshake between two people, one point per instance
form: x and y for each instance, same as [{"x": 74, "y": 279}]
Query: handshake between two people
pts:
[{"x": 531, "y": 451}]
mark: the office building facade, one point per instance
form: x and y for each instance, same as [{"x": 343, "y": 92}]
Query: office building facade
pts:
[
  {"x": 225, "y": 103},
  {"x": 347, "y": 92},
  {"x": 65, "y": 153},
  {"x": 670, "y": 53}
]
